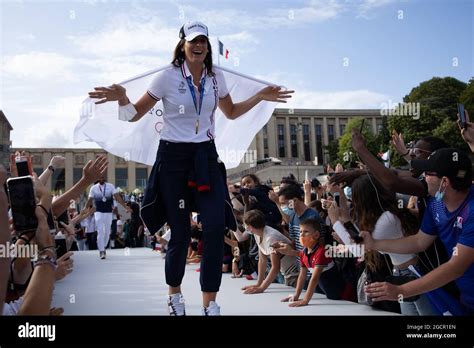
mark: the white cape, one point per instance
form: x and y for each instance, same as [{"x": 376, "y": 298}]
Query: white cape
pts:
[{"x": 138, "y": 141}]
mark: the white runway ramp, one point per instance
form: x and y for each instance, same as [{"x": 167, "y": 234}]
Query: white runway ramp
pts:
[{"x": 133, "y": 283}]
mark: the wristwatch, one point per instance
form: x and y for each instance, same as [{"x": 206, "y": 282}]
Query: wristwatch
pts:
[{"x": 51, "y": 168}]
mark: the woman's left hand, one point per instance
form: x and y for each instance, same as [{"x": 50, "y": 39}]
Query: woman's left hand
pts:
[{"x": 274, "y": 93}]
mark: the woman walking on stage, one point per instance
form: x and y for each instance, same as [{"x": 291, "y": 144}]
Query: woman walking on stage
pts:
[{"x": 187, "y": 175}]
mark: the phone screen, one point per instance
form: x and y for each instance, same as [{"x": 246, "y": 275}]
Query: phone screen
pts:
[
  {"x": 61, "y": 247},
  {"x": 337, "y": 198},
  {"x": 462, "y": 116},
  {"x": 23, "y": 203},
  {"x": 22, "y": 168},
  {"x": 353, "y": 232}
]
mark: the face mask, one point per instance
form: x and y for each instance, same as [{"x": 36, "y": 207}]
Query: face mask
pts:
[
  {"x": 439, "y": 195},
  {"x": 286, "y": 210},
  {"x": 307, "y": 241}
]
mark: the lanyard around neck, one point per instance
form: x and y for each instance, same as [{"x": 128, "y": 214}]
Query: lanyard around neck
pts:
[
  {"x": 105, "y": 188},
  {"x": 189, "y": 79}
]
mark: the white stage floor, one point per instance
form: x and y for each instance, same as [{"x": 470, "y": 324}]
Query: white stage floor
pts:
[{"x": 134, "y": 284}]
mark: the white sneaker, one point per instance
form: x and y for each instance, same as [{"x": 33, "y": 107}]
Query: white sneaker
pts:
[
  {"x": 176, "y": 305},
  {"x": 213, "y": 309}
]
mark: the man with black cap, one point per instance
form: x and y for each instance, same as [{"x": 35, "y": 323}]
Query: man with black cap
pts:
[{"x": 450, "y": 216}]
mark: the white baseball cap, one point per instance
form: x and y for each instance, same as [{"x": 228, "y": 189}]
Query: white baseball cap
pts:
[{"x": 191, "y": 30}]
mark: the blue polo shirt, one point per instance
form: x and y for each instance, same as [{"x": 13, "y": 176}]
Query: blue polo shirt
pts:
[
  {"x": 453, "y": 228},
  {"x": 294, "y": 225}
]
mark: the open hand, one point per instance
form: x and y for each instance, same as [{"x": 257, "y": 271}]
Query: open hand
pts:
[
  {"x": 274, "y": 93},
  {"x": 93, "y": 171},
  {"x": 106, "y": 94}
]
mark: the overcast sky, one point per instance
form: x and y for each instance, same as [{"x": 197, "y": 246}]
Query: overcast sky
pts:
[{"x": 334, "y": 53}]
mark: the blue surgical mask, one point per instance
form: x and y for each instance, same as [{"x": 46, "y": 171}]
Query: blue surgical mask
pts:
[
  {"x": 287, "y": 211},
  {"x": 439, "y": 195}
]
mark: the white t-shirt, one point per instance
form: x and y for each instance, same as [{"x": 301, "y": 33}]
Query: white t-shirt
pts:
[
  {"x": 98, "y": 191},
  {"x": 180, "y": 115},
  {"x": 288, "y": 264},
  {"x": 388, "y": 226}
]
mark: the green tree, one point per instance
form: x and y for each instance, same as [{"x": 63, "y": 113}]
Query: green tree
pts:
[
  {"x": 346, "y": 155},
  {"x": 467, "y": 98},
  {"x": 437, "y": 98},
  {"x": 383, "y": 138},
  {"x": 332, "y": 150}
]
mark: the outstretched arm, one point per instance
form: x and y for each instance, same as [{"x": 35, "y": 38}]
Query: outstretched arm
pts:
[
  {"x": 440, "y": 276},
  {"x": 270, "y": 93},
  {"x": 386, "y": 176},
  {"x": 118, "y": 93},
  {"x": 91, "y": 172}
]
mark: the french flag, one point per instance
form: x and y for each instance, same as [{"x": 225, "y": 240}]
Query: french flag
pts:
[{"x": 222, "y": 52}]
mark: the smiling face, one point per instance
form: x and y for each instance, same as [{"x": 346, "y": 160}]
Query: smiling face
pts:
[{"x": 196, "y": 50}]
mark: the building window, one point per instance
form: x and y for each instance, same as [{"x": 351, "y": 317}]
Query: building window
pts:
[
  {"x": 330, "y": 133},
  {"x": 342, "y": 129},
  {"x": 319, "y": 143},
  {"x": 79, "y": 160},
  {"x": 121, "y": 178},
  {"x": 76, "y": 175},
  {"x": 58, "y": 180},
  {"x": 307, "y": 151},
  {"x": 294, "y": 140},
  {"x": 265, "y": 140},
  {"x": 37, "y": 160},
  {"x": 281, "y": 140},
  {"x": 141, "y": 177}
]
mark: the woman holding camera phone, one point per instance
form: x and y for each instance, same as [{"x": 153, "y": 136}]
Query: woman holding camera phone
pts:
[{"x": 187, "y": 168}]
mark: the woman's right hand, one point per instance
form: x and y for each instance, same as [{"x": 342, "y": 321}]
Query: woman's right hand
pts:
[{"x": 106, "y": 94}]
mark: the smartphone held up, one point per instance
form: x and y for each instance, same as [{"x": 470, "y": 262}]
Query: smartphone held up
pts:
[
  {"x": 21, "y": 194},
  {"x": 462, "y": 116}
]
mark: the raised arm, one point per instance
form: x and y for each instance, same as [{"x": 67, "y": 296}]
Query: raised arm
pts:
[
  {"x": 118, "y": 93},
  {"x": 270, "y": 93},
  {"x": 386, "y": 176},
  {"x": 90, "y": 173},
  {"x": 56, "y": 162},
  {"x": 4, "y": 238},
  {"x": 39, "y": 293}
]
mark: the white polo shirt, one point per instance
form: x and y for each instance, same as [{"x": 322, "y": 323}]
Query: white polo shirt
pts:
[
  {"x": 180, "y": 115},
  {"x": 98, "y": 191}
]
